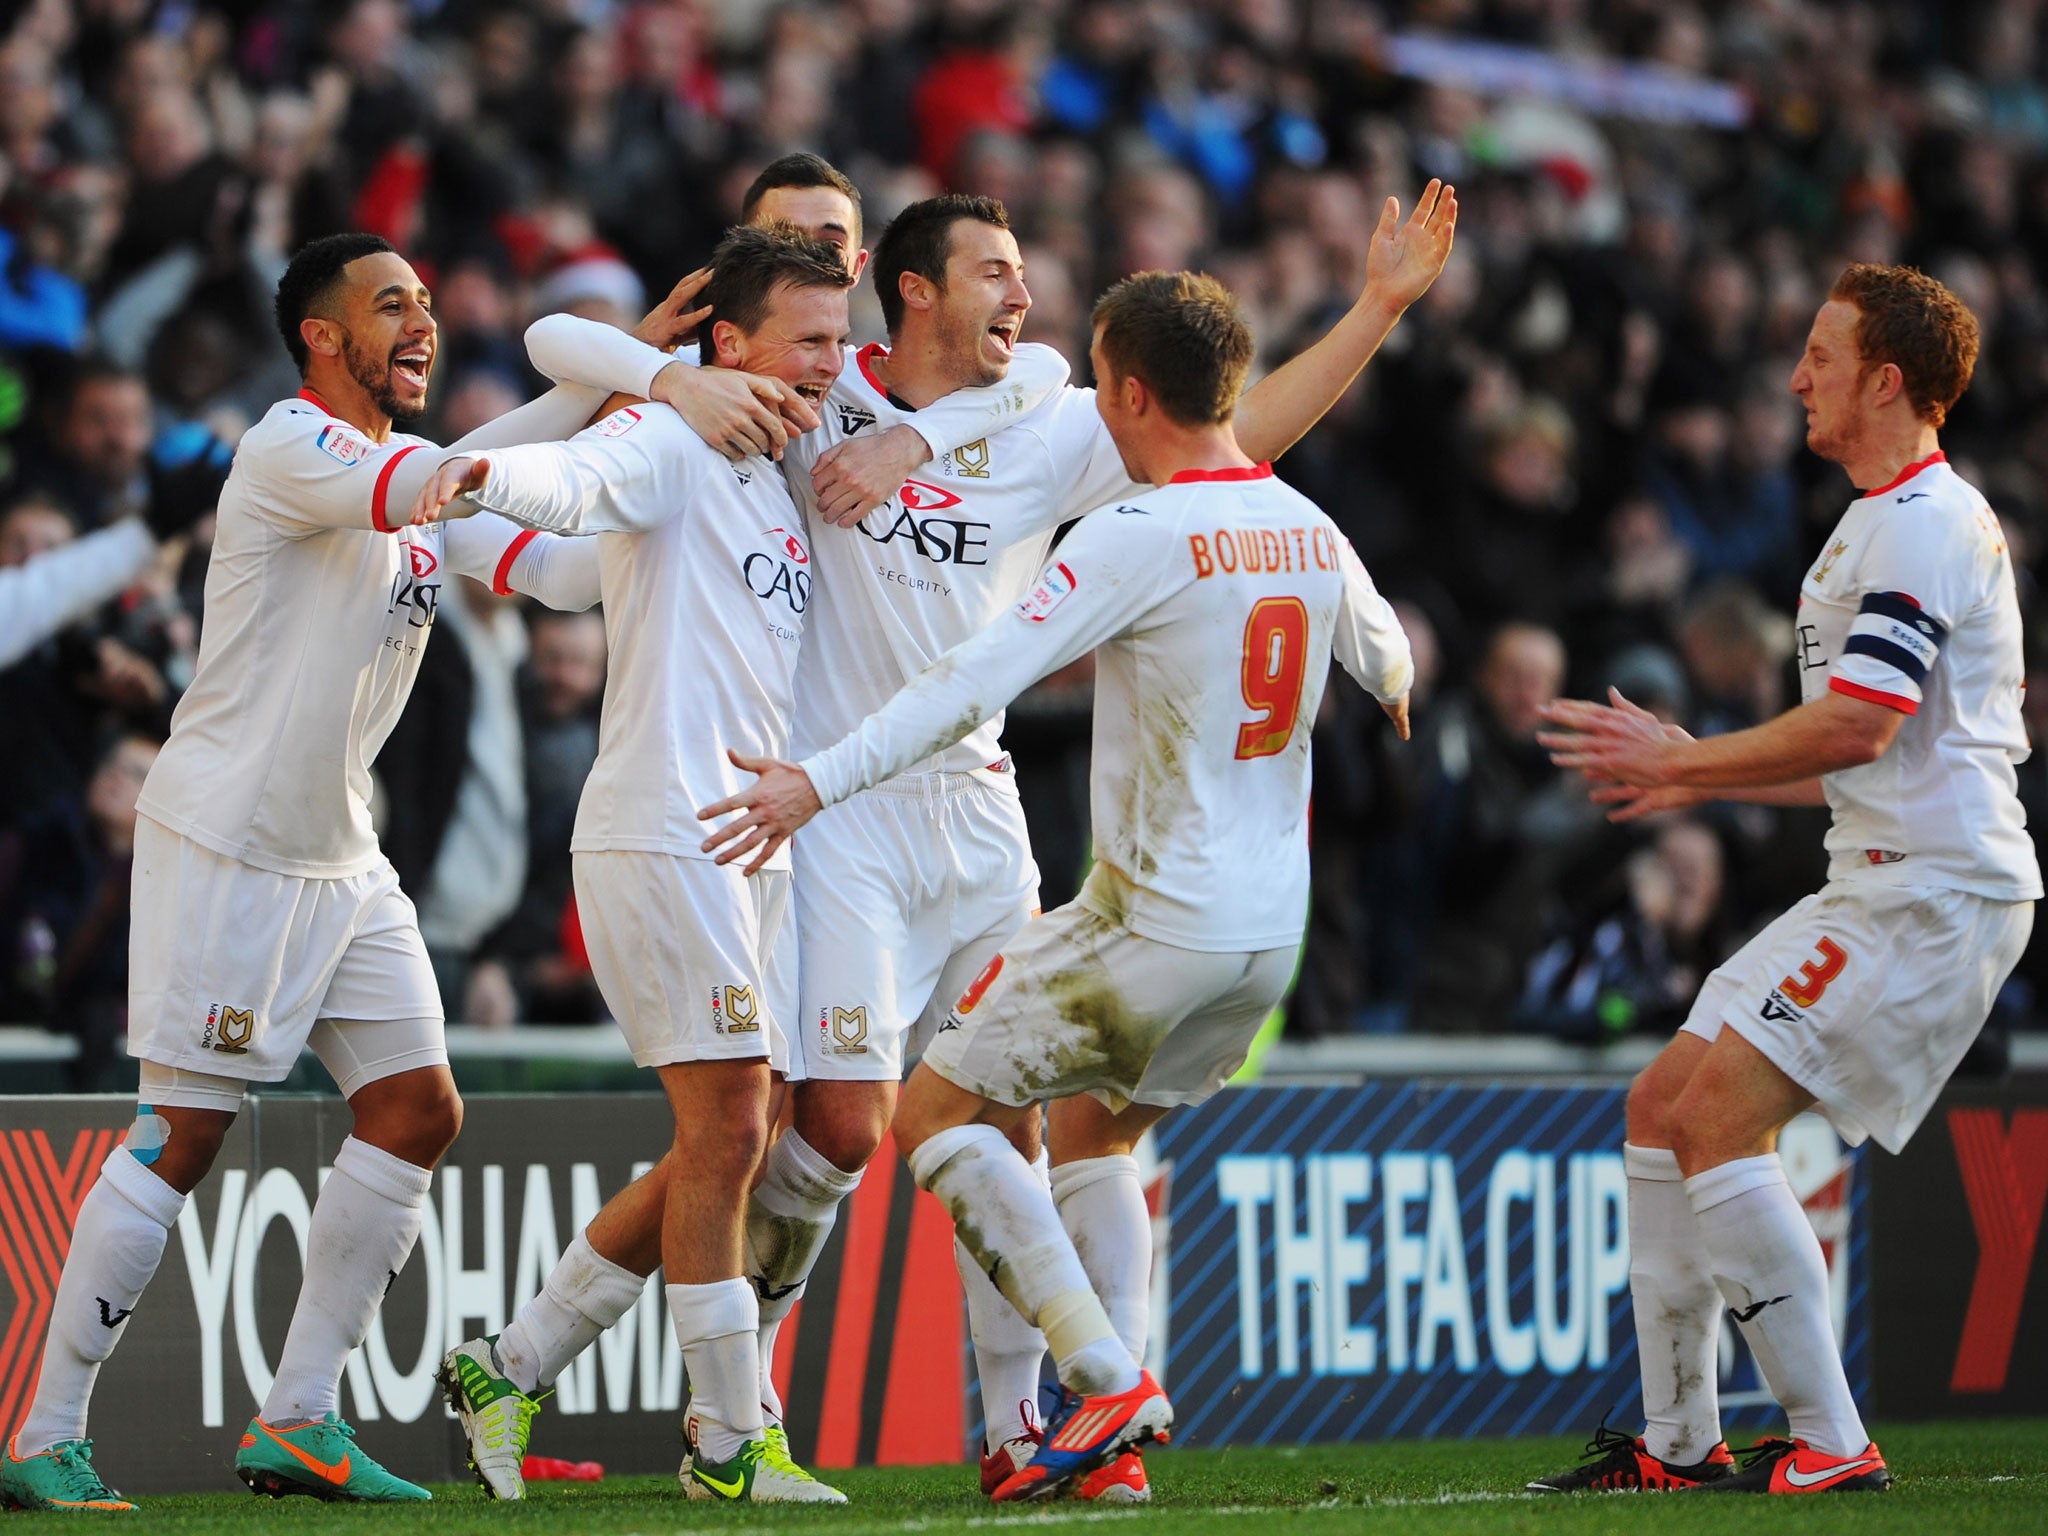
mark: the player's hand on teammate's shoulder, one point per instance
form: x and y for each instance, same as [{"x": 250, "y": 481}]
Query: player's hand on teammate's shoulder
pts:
[
  {"x": 780, "y": 800},
  {"x": 737, "y": 413},
  {"x": 1405, "y": 257},
  {"x": 463, "y": 476},
  {"x": 852, "y": 478},
  {"x": 675, "y": 319}
]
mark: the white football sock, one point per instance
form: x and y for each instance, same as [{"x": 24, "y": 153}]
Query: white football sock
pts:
[
  {"x": 1006, "y": 1218},
  {"x": 790, "y": 1215},
  {"x": 1677, "y": 1309},
  {"x": 364, "y": 1226},
  {"x": 1768, "y": 1265},
  {"x": 716, "y": 1324},
  {"x": 585, "y": 1294},
  {"x": 116, "y": 1245},
  {"x": 1008, "y": 1351},
  {"x": 1102, "y": 1206}
]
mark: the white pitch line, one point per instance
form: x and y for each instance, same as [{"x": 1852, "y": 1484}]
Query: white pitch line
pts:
[{"x": 1044, "y": 1517}]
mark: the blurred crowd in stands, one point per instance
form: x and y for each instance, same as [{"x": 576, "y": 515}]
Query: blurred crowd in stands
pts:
[{"x": 1575, "y": 464}]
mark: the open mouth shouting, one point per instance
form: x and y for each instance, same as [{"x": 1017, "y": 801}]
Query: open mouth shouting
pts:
[
  {"x": 410, "y": 365},
  {"x": 1004, "y": 334}
]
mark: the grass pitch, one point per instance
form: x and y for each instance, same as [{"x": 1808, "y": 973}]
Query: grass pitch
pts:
[{"x": 1952, "y": 1479}]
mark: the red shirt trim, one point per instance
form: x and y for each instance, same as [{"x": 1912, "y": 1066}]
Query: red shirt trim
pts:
[
  {"x": 871, "y": 350},
  {"x": 384, "y": 486},
  {"x": 308, "y": 395},
  {"x": 1190, "y": 476},
  {"x": 501, "y": 578},
  {"x": 1898, "y": 701},
  {"x": 1936, "y": 457}
]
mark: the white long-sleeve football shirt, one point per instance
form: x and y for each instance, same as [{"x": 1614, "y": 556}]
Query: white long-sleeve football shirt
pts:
[
  {"x": 316, "y": 614},
  {"x": 706, "y": 579},
  {"x": 1217, "y": 602}
]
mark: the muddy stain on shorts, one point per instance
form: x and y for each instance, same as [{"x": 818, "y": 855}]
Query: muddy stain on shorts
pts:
[{"x": 1101, "y": 1040}]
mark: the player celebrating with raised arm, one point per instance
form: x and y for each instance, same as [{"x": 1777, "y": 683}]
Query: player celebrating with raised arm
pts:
[
  {"x": 1864, "y": 996},
  {"x": 265, "y": 917},
  {"x": 1217, "y": 599}
]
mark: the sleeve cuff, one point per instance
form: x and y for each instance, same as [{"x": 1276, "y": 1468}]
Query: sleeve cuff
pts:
[
  {"x": 501, "y": 579},
  {"x": 818, "y": 770},
  {"x": 378, "y": 520},
  {"x": 656, "y": 363},
  {"x": 1404, "y": 678}
]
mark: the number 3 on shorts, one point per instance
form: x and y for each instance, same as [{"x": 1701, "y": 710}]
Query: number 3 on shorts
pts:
[
  {"x": 1275, "y": 657},
  {"x": 1805, "y": 989}
]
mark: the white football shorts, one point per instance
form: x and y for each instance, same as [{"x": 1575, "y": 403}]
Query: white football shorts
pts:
[
  {"x": 904, "y": 893},
  {"x": 1076, "y": 1003},
  {"x": 1867, "y": 995},
  {"x": 696, "y": 961},
  {"x": 232, "y": 970}
]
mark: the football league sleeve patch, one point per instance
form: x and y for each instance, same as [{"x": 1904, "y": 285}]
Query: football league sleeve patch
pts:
[{"x": 1892, "y": 645}]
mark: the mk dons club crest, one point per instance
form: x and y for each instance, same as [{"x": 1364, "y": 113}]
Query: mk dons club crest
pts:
[
  {"x": 845, "y": 1029},
  {"x": 734, "y": 1010},
  {"x": 972, "y": 460},
  {"x": 228, "y": 1029}
]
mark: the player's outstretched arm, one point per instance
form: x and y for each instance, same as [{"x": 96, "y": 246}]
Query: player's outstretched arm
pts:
[
  {"x": 1634, "y": 802},
  {"x": 1112, "y": 568},
  {"x": 1404, "y": 258},
  {"x": 854, "y": 477},
  {"x": 737, "y": 413},
  {"x": 628, "y": 478},
  {"x": 968, "y": 685},
  {"x": 1629, "y": 746}
]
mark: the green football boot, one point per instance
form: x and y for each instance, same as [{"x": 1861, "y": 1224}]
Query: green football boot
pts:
[
  {"x": 760, "y": 1473},
  {"x": 320, "y": 1459},
  {"x": 60, "y": 1478},
  {"x": 494, "y": 1412},
  {"x": 497, "y": 1418}
]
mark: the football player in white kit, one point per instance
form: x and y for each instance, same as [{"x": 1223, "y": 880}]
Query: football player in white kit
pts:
[
  {"x": 1864, "y": 996},
  {"x": 706, "y": 581},
  {"x": 906, "y": 890},
  {"x": 265, "y": 917},
  {"x": 1217, "y": 598}
]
